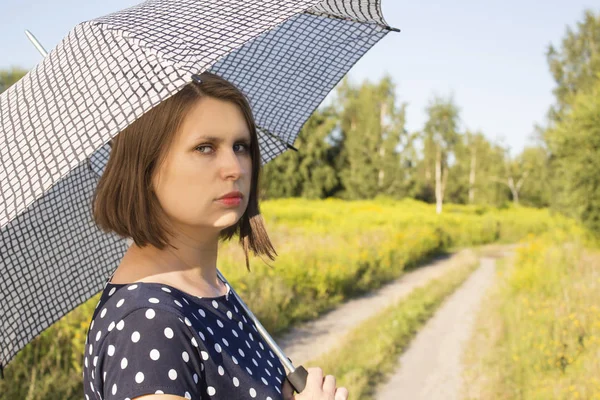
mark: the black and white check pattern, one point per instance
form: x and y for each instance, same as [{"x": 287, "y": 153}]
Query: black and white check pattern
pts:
[{"x": 56, "y": 122}]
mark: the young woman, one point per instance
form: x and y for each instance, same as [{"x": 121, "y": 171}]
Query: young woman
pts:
[{"x": 179, "y": 179}]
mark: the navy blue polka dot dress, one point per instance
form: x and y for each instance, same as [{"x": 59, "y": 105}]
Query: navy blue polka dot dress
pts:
[{"x": 147, "y": 338}]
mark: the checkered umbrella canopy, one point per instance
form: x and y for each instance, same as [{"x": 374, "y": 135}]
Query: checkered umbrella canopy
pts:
[{"x": 57, "y": 121}]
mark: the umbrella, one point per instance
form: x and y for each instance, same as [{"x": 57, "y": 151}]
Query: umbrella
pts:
[{"x": 56, "y": 124}]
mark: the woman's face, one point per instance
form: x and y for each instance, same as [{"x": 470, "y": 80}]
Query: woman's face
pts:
[{"x": 209, "y": 157}]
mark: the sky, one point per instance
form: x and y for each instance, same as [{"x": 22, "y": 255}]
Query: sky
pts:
[{"x": 489, "y": 55}]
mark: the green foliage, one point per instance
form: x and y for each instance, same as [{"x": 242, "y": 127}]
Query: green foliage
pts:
[
  {"x": 575, "y": 146},
  {"x": 10, "y": 76},
  {"x": 575, "y": 65}
]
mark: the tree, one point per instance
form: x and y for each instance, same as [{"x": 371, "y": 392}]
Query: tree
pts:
[
  {"x": 10, "y": 76},
  {"x": 575, "y": 64},
  {"x": 308, "y": 172},
  {"x": 441, "y": 136},
  {"x": 574, "y": 144},
  {"x": 372, "y": 129}
]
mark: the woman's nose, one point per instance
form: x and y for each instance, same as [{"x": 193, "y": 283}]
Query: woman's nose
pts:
[{"x": 232, "y": 165}]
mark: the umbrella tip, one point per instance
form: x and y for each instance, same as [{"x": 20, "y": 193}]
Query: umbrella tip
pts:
[{"x": 197, "y": 78}]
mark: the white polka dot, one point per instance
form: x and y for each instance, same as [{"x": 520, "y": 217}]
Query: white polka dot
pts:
[
  {"x": 258, "y": 354},
  {"x": 178, "y": 303},
  {"x": 194, "y": 343},
  {"x": 219, "y": 323},
  {"x": 234, "y": 359},
  {"x": 241, "y": 352},
  {"x": 120, "y": 325},
  {"x": 204, "y": 355},
  {"x": 120, "y": 303},
  {"x": 201, "y": 335},
  {"x": 236, "y": 382},
  {"x": 114, "y": 389},
  {"x": 95, "y": 360},
  {"x": 221, "y": 370},
  {"x": 92, "y": 386},
  {"x": 195, "y": 378},
  {"x": 245, "y": 320},
  {"x": 123, "y": 363},
  {"x": 225, "y": 341},
  {"x": 86, "y": 363},
  {"x": 169, "y": 333},
  {"x": 269, "y": 398},
  {"x": 240, "y": 325},
  {"x": 91, "y": 347},
  {"x": 111, "y": 326},
  {"x": 153, "y": 300},
  {"x": 264, "y": 380},
  {"x": 254, "y": 361},
  {"x": 172, "y": 374},
  {"x": 211, "y": 390},
  {"x": 98, "y": 335},
  {"x": 135, "y": 337},
  {"x": 159, "y": 392},
  {"x": 278, "y": 370},
  {"x": 279, "y": 380},
  {"x": 236, "y": 309},
  {"x": 150, "y": 313},
  {"x": 269, "y": 361},
  {"x": 154, "y": 354},
  {"x": 131, "y": 287},
  {"x": 218, "y": 347},
  {"x": 139, "y": 377},
  {"x": 185, "y": 356},
  {"x": 201, "y": 312},
  {"x": 92, "y": 325},
  {"x": 209, "y": 330},
  {"x": 234, "y": 333},
  {"x": 103, "y": 313},
  {"x": 261, "y": 346},
  {"x": 278, "y": 389},
  {"x": 251, "y": 337},
  {"x": 188, "y": 395},
  {"x": 184, "y": 299},
  {"x": 247, "y": 344},
  {"x": 187, "y": 321},
  {"x": 249, "y": 370},
  {"x": 112, "y": 291},
  {"x": 215, "y": 304},
  {"x": 271, "y": 353},
  {"x": 111, "y": 350},
  {"x": 229, "y": 315},
  {"x": 252, "y": 392},
  {"x": 268, "y": 373},
  {"x": 166, "y": 289}
]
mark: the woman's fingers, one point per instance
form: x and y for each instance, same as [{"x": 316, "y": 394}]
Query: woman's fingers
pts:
[
  {"x": 329, "y": 384},
  {"x": 341, "y": 393},
  {"x": 287, "y": 391}
]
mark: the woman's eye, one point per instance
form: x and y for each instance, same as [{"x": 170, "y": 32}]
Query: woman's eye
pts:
[
  {"x": 245, "y": 146},
  {"x": 199, "y": 147}
]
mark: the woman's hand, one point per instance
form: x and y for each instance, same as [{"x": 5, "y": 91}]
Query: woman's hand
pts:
[{"x": 317, "y": 388}]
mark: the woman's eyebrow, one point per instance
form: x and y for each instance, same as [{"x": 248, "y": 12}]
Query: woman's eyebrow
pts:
[{"x": 219, "y": 139}]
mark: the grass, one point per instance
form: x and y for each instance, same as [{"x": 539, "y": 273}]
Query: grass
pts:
[{"x": 538, "y": 333}]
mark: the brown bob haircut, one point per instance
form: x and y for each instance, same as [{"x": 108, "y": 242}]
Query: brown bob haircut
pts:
[{"x": 124, "y": 202}]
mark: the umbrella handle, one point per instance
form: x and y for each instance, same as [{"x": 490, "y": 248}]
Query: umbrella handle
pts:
[{"x": 298, "y": 378}]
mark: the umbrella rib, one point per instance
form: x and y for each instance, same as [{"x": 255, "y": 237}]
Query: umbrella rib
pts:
[
  {"x": 289, "y": 146},
  {"x": 322, "y": 14}
]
